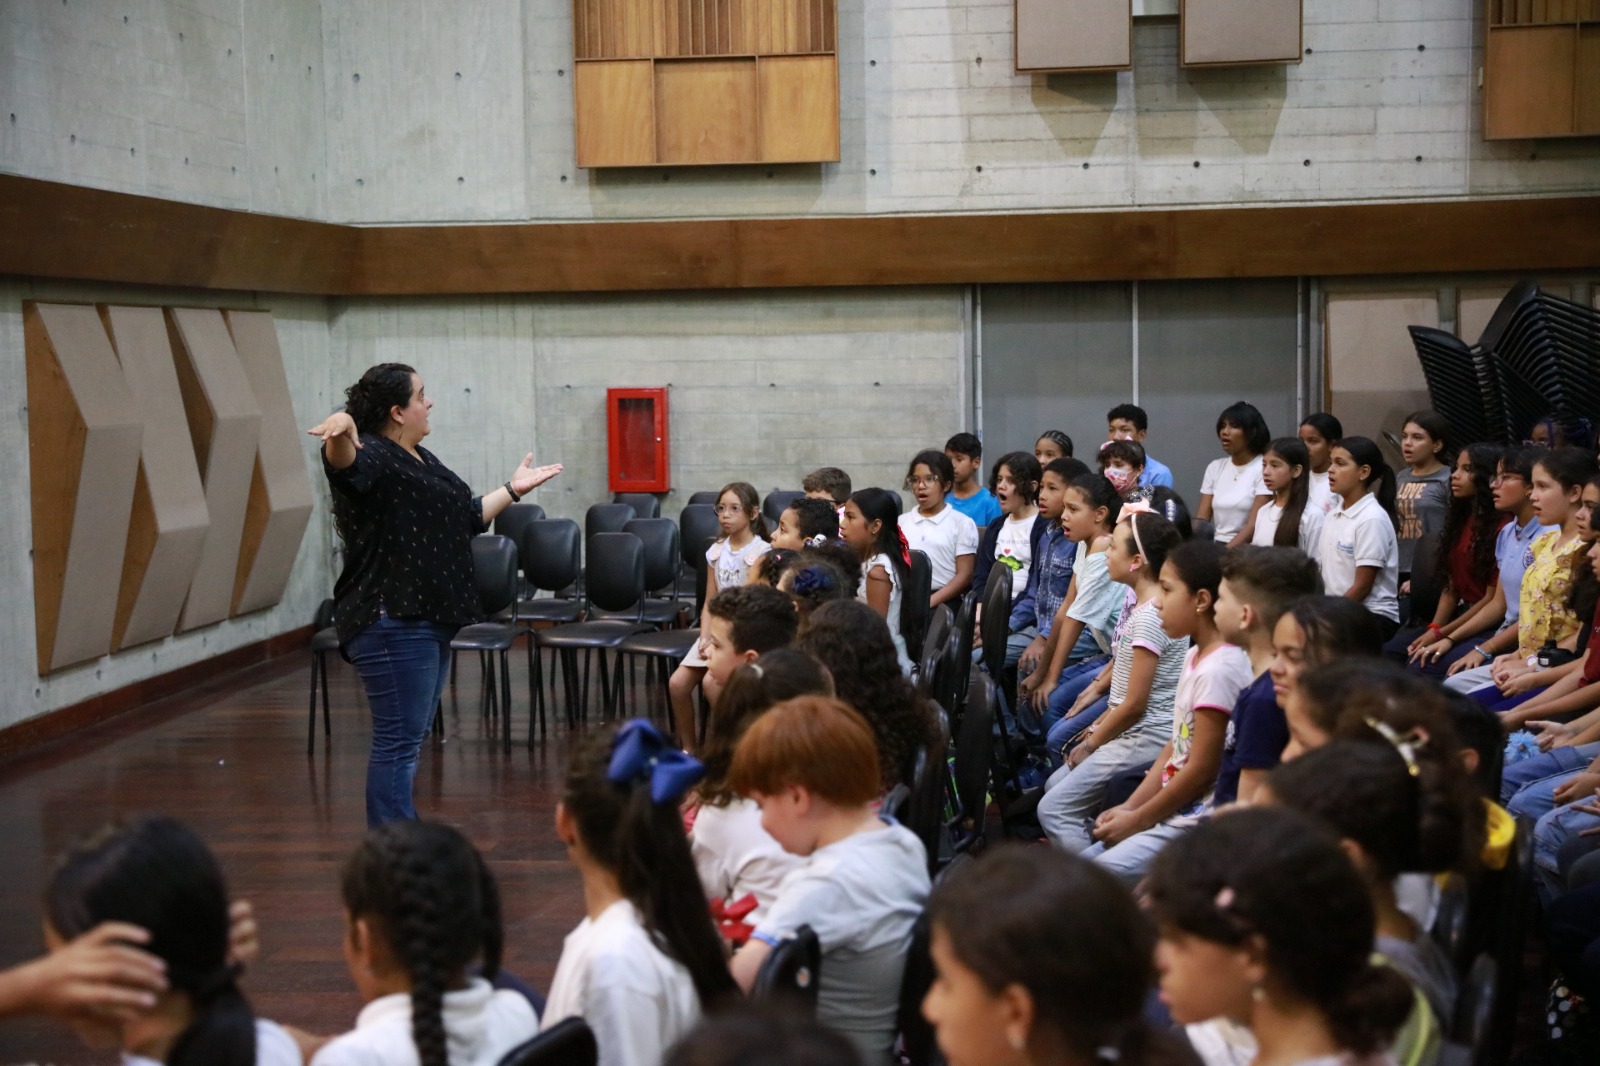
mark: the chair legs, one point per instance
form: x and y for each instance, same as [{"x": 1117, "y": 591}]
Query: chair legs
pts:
[{"x": 319, "y": 669}]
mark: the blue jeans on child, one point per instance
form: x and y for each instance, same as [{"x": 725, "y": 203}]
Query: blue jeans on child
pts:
[
  {"x": 1058, "y": 728},
  {"x": 403, "y": 663},
  {"x": 1527, "y": 788}
]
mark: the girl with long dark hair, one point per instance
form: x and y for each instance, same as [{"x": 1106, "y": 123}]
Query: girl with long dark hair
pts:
[
  {"x": 1359, "y": 552},
  {"x": 407, "y": 523},
  {"x": 870, "y": 525},
  {"x": 1291, "y": 519}
]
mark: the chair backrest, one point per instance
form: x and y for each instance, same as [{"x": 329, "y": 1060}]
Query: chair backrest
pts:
[
  {"x": 494, "y": 572},
  {"x": 931, "y": 664},
  {"x": 996, "y": 620},
  {"x": 324, "y": 616},
  {"x": 515, "y": 518},
  {"x": 899, "y": 501},
  {"x": 661, "y": 551},
  {"x": 644, "y": 504},
  {"x": 1204, "y": 529},
  {"x": 916, "y": 1035},
  {"x": 606, "y": 518},
  {"x": 914, "y": 607},
  {"x": 1475, "y": 1010},
  {"x": 567, "y": 1043},
  {"x": 958, "y": 658},
  {"x": 698, "y": 498},
  {"x": 973, "y": 757},
  {"x": 551, "y": 553},
  {"x": 790, "y": 973},
  {"x": 924, "y": 808},
  {"x": 777, "y": 502},
  {"x": 616, "y": 573},
  {"x": 1450, "y": 914},
  {"x": 1427, "y": 583},
  {"x": 696, "y": 525}
]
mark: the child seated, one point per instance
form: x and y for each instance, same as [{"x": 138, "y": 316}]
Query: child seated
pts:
[
  {"x": 151, "y": 872},
  {"x": 741, "y": 867},
  {"x": 827, "y": 483},
  {"x": 947, "y": 536},
  {"x": 646, "y": 961},
  {"x": 1122, "y": 464},
  {"x": 1258, "y": 584},
  {"x": 852, "y": 644},
  {"x": 811, "y": 765},
  {"x": 1128, "y": 421},
  {"x": 870, "y": 527},
  {"x": 967, "y": 493},
  {"x": 743, "y": 623},
  {"x": 1012, "y": 539},
  {"x": 420, "y": 906}
]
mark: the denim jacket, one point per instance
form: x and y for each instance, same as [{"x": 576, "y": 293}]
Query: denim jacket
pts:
[{"x": 1048, "y": 582}]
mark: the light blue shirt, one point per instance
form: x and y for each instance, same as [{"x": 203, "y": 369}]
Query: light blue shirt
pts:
[
  {"x": 1155, "y": 473},
  {"x": 981, "y": 507},
  {"x": 1513, "y": 551}
]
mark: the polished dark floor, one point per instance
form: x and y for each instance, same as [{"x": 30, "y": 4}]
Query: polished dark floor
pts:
[{"x": 230, "y": 759}]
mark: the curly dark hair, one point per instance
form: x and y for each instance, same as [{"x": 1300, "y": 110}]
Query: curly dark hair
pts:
[
  {"x": 853, "y": 642},
  {"x": 1476, "y": 511},
  {"x": 368, "y": 401}
]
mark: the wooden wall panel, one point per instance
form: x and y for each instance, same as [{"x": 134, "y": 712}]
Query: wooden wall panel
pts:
[
  {"x": 799, "y": 108},
  {"x": 1531, "y": 71},
  {"x": 1588, "y": 88},
  {"x": 60, "y": 231},
  {"x": 280, "y": 491},
  {"x": 226, "y": 423},
  {"x": 169, "y": 521},
  {"x": 706, "y": 111},
  {"x": 615, "y": 113},
  {"x": 84, "y": 430}
]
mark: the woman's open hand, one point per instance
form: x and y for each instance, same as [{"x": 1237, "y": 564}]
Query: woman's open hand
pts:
[
  {"x": 338, "y": 424},
  {"x": 529, "y": 477}
]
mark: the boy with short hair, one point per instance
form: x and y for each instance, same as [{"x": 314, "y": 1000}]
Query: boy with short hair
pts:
[
  {"x": 743, "y": 623},
  {"x": 1258, "y": 584},
  {"x": 1127, "y": 421},
  {"x": 827, "y": 483},
  {"x": 968, "y": 494}
]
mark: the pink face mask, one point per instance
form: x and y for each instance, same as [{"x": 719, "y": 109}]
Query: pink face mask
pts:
[{"x": 1120, "y": 478}]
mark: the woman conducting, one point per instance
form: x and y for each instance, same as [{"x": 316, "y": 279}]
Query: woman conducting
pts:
[{"x": 407, "y": 524}]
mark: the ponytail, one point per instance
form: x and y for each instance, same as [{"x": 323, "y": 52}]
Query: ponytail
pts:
[
  {"x": 1098, "y": 490},
  {"x": 427, "y": 892},
  {"x": 1365, "y": 453},
  {"x": 622, "y": 791},
  {"x": 876, "y": 505},
  {"x": 154, "y": 872}
]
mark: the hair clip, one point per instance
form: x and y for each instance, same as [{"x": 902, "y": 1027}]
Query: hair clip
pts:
[
  {"x": 1406, "y": 744},
  {"x": 755, "y": 668},
  {"x": 811, "y": 579},
  {"x": 640, "y": 753},
  {"x": 817, "y": 541},
  {"x": 1131, "y": 513},
  {"x": 1224, "y": 898}
]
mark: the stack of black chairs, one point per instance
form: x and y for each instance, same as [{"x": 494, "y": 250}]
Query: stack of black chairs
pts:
[{"x": 1539, "y": 355}]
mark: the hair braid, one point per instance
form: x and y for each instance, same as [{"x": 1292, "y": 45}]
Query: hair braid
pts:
[{"x": 417, "y": 942}]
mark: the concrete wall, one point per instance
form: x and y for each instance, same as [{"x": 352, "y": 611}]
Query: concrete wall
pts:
[
  {"x": 430, "y": 110},
  {"x": 303, "y": 336}
]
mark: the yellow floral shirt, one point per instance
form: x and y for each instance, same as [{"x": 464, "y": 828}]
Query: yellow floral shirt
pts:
[{"x": 1545, "y": 615}]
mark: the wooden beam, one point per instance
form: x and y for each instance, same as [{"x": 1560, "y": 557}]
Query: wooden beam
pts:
[{"x": 63, "y": 231}]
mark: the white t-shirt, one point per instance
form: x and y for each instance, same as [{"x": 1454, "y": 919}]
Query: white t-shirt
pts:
[
  {"x": 1311, "y": 520},
  {"x": 736, "y": 858},
  {"x": 1209, "y": 683},
  {"x": 480, "y": 1024},
  {"x": 942, "y": 537},
  {"x": 894, "y": 605},
  {"x": 732, "y": 565},
  {"x": 1013, "y": 548},
  {"x": 1233, "y": 490},
  {"x": 1362, "y": 535},
  {"x": 611, "y": 974},
  {"x": 274, "y": 1047},
  {"x": 861, "y": 896}
]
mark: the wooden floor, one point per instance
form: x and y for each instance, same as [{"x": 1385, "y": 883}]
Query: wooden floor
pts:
[{"x": 229, "y": 758}]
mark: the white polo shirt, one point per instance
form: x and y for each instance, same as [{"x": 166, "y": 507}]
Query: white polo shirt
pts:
[
  {"x": 941, "y": 537},
  {"x": 1362, "y": 535}
]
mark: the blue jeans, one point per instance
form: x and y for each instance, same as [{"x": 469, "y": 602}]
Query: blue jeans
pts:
[
  {"x": 403, "y": 663},
  {"x": 1527, "y": 788}
]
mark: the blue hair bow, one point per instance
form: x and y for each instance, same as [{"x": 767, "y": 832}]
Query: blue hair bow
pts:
[
  {"x": 810, "y": 580},
  {"x": 639, "y": 752}
]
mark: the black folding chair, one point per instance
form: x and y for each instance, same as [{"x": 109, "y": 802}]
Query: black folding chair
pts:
[
  {"x": 917, "y": 1044},
  {"x": 494, "y": 571},
  {"x": 974, "y": 759},
  {"x": 931, "y": 661},
  {"x": 790, "y": 973},
  {"x": 551, "y": 554},
  {"x": 615, "y": 595},
  {"x": 567, "y": 1043},
  {"x": 776, "y": 503},
  {"x": 323, "y": 640},
  {"x": 644, "y": 504}
]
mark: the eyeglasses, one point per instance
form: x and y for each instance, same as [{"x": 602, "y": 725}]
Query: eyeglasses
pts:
[
  {"x": 925, "y": 482},
  {"x": 1503, "y": 476},
  {"x": 729, "y": 508}
]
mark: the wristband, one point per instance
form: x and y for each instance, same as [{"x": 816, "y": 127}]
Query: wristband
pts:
[
  {"x": 1435, "y": 627},
  {"x": 1485, "y": 652},
  {"x": 512, "y": 493}
]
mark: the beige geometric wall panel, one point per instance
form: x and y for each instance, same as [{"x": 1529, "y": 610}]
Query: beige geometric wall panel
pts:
[
  {"x": 1374, "y": 379},
  {"x": 280, "y": 490},
  {"x": 1236, "y": 32},
  {"x": 1073, "y": 35},
  {"x": 169, "y": 522},
  {"x": 225, "y": 422},
  {"x": 84, "y": 429}
]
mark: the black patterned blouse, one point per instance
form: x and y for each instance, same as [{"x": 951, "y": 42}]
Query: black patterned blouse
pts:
[{"x": 407, "y": 528}]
